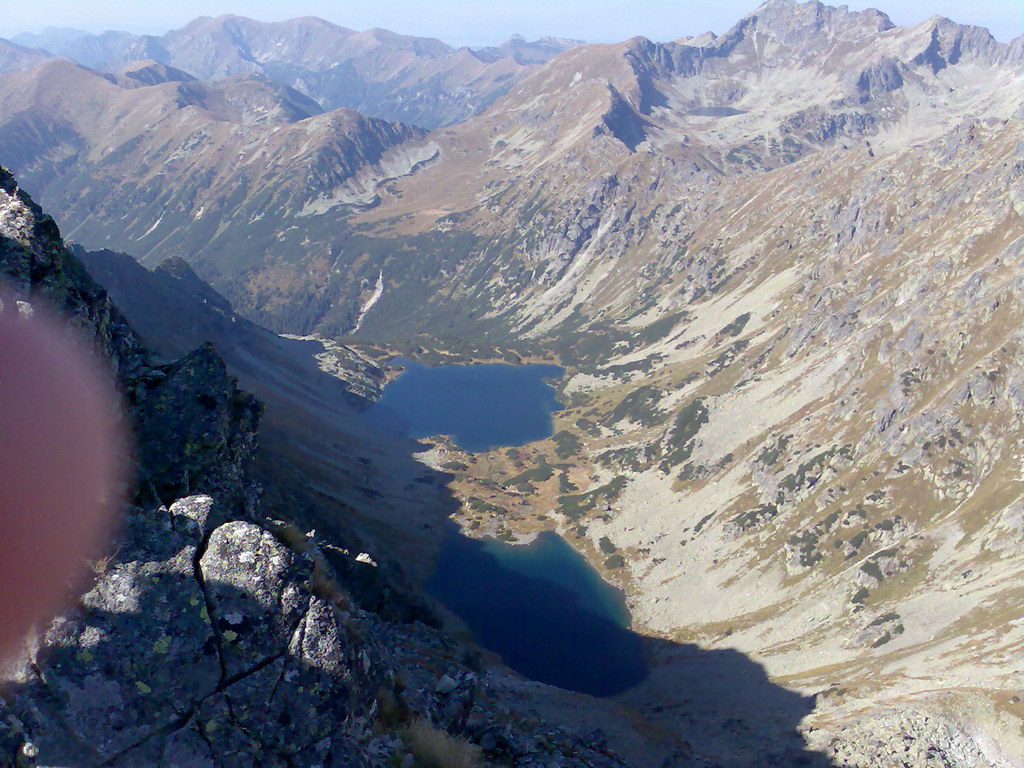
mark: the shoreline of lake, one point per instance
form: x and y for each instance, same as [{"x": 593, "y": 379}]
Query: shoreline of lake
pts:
[{"x": 538, "y": 603}]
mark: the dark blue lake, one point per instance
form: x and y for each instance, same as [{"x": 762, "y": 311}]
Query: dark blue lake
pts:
[
  {"x": 541, "y": 607},
  {"x": 544, "y": 610},
  {"x": 480, "y": 406}
]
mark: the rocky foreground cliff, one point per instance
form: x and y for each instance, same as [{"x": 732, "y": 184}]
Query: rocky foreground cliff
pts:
[{"x": 214, "y": 633}]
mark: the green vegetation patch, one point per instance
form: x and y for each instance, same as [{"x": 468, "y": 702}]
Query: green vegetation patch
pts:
[
  {"x": 634, "y": 458},
  {"x": 687, "y": 424},
  {"x": 770, "y": 456},
  {"x": 567, "y": 444},
  {"x": 806, "y": 542},
  {"x": 727, "y": 357},
  {"x": 588, "y": 347},
  {"x": 871, "y": 569},
  {"x": 639, "y": 406},
  {"x": 660, "y": 328},
  {"x": 577, "y": 505},
  {"x": 614, "y": 562},
  {"x": 479, "y": 505},
  {"x": 856, "y": 543},
  {"x": 541, "y": 473},
  {"x": 646, "y": 365},
  {"x": 806, "y": 546},
  {"x": 755, "y": 517},
  {"x": 735, "y": 328},
  {"x": 884, "y": 618}
]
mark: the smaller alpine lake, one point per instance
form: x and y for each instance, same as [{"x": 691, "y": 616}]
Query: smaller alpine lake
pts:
[
  {"x": 480, "y": 406},
  {"x": 544, "y": 610},
  {"x": 540, "y": 606}
]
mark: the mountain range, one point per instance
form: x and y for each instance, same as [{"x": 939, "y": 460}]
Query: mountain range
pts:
[
  {"x": 780, "y": 266},
  {"x": 416, "y": 80}
]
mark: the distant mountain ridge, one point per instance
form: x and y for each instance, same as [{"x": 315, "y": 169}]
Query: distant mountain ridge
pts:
[
  {"x": 380, "y": 73},
  {"x": 788, "y": 81},
  {"x": 15, "y": 58}
]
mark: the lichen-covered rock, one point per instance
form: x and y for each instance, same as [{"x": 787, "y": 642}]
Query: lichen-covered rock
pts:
[
  {"x": 256, "y": 592},
  {"x": 197, "y": 408},
  {"x": 194, "y": 514},
  {"x": 136, "y": 654}
]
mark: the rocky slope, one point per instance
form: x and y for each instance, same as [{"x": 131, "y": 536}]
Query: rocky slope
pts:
[
  {"x": 592, "y": 153},
  {"x": 396, "y": 77},
  {"x": 239, "y": 151},
  {"x": 15, "y": 58},
  {"x": 611, "y": 156},
  {"x": 782, "y": 267},
  {"x": 782, "y": 264},
  {"x": 215, "y": 634}
]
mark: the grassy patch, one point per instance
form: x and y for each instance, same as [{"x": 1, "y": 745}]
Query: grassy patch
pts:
[
  {"x": 541, "y": 473},
  {"x": 433, "y": 748}
]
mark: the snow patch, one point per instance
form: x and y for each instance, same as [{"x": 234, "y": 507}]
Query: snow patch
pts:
[
  {"x": 151, "y": 229},
  {"x": 378, "y": 291}
]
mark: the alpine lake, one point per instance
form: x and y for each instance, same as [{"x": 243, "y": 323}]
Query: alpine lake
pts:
[{"x": 540, "y": 606}]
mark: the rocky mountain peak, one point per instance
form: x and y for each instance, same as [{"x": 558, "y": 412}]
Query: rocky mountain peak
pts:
[
  {"x": 537, "y": 51},
  {"x": 425, "y": 46},
  {"x": 180, "y": 270},
  {"x": 946, "y": 43},
  {"x": 86, "y": 48},
  {"x": 49, "y": 33},
  {"x": 799, "y": 24},
  {"x": 149, "y": 72}
]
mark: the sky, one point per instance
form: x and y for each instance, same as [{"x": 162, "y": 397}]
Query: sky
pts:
[{"x": 480, "y": 22}]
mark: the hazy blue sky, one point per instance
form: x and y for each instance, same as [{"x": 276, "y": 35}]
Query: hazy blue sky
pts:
[{"x": 481, "y": 22}]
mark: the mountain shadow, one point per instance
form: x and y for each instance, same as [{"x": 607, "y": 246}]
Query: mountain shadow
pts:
[
  {"x": 723, "y": 703},
  {"x": 717, "y": 704}
]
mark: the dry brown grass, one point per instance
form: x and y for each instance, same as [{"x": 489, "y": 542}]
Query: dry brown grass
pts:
[
  {"x": 433, "y": 748},
  {"x": 102, "y": 565}
]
